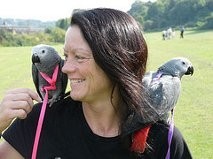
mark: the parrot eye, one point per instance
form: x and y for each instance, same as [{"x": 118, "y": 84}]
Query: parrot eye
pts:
[
  {"x": 183, "y": 63},
  {"x": 43, "y": 51}
]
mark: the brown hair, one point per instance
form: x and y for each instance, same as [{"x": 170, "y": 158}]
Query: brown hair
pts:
[{"x": 119, "y": 48}]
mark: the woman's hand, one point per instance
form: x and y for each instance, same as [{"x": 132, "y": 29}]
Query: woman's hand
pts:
[{"x": 17, "y": 103}]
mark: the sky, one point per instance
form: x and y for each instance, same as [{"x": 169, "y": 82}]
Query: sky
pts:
[{"x": 48, "y": 10}]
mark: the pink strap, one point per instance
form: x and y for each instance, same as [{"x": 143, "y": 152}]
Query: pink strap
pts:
[
  {"x": 157, "y": 76},
  {"x": 52, "y": 82}
]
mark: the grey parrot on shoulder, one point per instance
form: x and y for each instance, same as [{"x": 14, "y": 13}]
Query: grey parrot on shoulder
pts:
[
  {"x": 163, "y": 86},
  {"x": 45, "y": 59}
]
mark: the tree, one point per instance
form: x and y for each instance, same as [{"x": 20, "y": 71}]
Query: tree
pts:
[
  {"x": 63, "y": 23},
  {"x": 58, "y": 35},
  {"x": 138, "y": 11},
  {"x": 162, "y": 14}
]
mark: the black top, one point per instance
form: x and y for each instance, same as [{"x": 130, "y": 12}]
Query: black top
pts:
[{"x": 66, "y": 135}]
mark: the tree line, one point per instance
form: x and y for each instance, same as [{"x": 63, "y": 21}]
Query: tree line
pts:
[
  {"x": 163, "y": 14},
  {"x": 50, "y": 35}
]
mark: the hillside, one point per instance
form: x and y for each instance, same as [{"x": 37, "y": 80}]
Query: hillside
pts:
[{"x": 26, "y": 23}]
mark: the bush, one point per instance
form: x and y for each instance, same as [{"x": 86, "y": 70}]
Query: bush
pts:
[
  {"x": 57, "y": 35},
  {"x": 9, "y": 38},
  {"x": 209, "y": 23}
]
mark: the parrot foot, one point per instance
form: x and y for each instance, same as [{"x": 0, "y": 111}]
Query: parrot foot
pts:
[{"x": 51, "y": 101}]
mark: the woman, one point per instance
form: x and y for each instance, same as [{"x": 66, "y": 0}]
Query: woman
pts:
[{"x": 105, "y": 60}]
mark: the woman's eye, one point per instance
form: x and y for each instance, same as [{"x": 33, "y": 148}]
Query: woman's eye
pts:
[
  {"x": 65, "y": 57},
  {"x": 80, "y": 58}
]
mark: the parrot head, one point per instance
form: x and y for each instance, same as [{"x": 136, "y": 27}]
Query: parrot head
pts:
[
  {"x": 44, "y": 56},
  {"x": 178, "y": 67}
]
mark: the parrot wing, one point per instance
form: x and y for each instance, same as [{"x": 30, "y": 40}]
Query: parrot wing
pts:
[
  {"x": 147, "y": 78},
  {"x": 35, "y": 79},
  {"x": 164, "y": 93},
  {"x": 64, "y": 78}
]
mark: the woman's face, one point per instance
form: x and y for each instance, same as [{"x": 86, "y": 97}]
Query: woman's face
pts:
[{"x": 88, "y": 82}]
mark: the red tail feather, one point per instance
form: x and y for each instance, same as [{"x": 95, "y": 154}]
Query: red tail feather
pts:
[{"x": 139, "y": 140}]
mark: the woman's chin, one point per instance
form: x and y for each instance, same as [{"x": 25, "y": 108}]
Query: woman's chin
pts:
[{"x": 75, "y": 96}]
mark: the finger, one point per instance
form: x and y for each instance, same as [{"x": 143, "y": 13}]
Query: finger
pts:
[
  {"x": 10, "y": 114},
  {"x": 34, "y": 95},
  {"x": 31, "y": 93},
  {"x": 24, "y": 97},
  {"x": 19, "y": 97},
  {"x": 22, "y": 105},
  {"x": 15, "y": 105},
  {"x": 19, "y": 113}
]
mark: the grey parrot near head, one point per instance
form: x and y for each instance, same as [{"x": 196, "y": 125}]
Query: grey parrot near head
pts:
[
  {"x": 163, "y": 86},
  {"x": 44, "y": 59}
]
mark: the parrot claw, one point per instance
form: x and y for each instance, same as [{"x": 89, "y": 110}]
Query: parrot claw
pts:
[{"x": 51, "y": 102}]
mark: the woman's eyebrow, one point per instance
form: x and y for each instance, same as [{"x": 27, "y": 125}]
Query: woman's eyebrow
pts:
[
  {"x": 77, "y": 49},
  {"x": 81, "y": 49}
]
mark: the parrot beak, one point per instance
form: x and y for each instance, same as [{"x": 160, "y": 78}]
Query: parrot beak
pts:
[
  {"x": 190, "y": 70},
  {"x": 35, "y": 59}
]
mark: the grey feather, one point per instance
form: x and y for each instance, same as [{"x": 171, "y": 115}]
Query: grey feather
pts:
[
  {"x": 163, "y": 86},
  {"x": 44, "y": 59}
]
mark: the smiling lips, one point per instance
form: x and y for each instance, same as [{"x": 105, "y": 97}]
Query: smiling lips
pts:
[{"x": 73, "y": 81}]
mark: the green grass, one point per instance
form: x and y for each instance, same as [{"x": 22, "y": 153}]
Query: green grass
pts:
[
  {"x": 15, "y": 68},
  {"x": 194, "y": 110}
]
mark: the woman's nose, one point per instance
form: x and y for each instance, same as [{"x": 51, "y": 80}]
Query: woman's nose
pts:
[
  {"x": 69, "y": 66},
  {"x": 64, "y": 70}
]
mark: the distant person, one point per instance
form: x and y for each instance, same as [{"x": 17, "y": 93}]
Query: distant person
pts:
[
  {"x": 181, "y": 31},
  {"x": 106, "y": 115},
  {"x": 164, "y": 34},
  {"x": 169, "y": 33}
]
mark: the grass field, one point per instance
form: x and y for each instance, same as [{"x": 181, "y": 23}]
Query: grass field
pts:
[{"x": 194, "y": 111}]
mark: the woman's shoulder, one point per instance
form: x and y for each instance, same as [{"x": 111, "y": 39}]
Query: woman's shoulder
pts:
[
  {"x": 162, "y": 128},
  {"x": 67, "y": 105},
  {"x": 64, "y": 102},
  {"x": 160, "y": 131},
  {"x": 64, "y": 105},
  {"x": 68, "y": 101},
  {"x": 158, "y": 134},
  {"x": 158, "y": 142}
]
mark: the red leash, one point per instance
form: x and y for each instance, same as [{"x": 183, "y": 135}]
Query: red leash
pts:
[{"x": 52, "y": 86}]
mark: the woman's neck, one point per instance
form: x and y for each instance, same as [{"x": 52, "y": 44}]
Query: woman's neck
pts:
[{"x": 102, "y": 118}]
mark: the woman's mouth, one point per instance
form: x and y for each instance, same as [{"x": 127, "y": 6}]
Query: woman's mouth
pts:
[{"x": 73, "y": 81}]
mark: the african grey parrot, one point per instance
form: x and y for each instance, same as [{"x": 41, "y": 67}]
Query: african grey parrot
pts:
[
  {"x": 164, "y": 85},
  {"x": 45, "y": 59}
]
